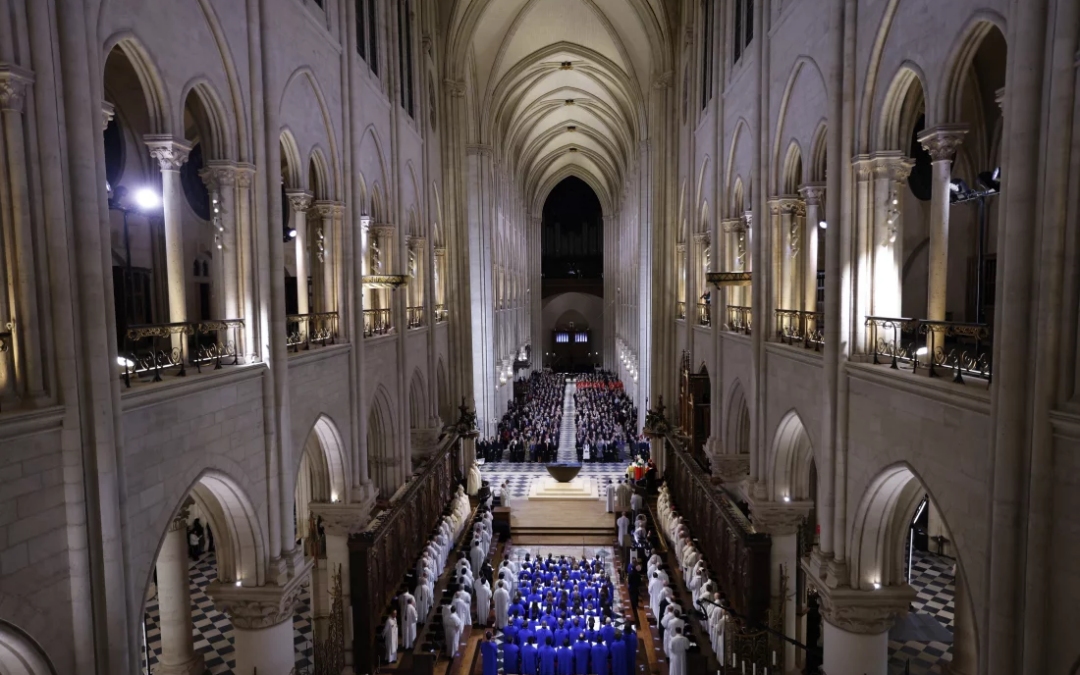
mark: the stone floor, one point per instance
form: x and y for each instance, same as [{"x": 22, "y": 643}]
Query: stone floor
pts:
[
  {"x": 933, "y": 581},
  {"x": 213, "y": 630},
  {"x": 521, "y": 474}
]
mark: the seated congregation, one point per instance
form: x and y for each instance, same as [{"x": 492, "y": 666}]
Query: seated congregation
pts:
[
  {"x": 529, "y": 431},
  {"x": 605, "y": 420}
]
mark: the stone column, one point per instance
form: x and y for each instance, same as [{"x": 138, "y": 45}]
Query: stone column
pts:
[
  {"x": 30, "y": 378},
  {"x": 220, "y": 180},
  {"x": 855, "y": 626},
  {"x": 178, "y": 655},
  {"x": 301, "y": 202},
  {"x": 339, "y": 521},
  {"x": 788, "y": 246},
  {"x": 171, "y": 154},
  {"x": 781, "y": 520},
  {"x": 890, "y": 174},
  {"x": 812, "y": 194},
  {"x": 744, "y": 243},
  {"x": 326, "y": 251},
  {"x": 965, "y": 649},
  {"x": 941, "y": 142},
  {"x": 697, "y": 258},
  {"x": 863, "y": 253}
]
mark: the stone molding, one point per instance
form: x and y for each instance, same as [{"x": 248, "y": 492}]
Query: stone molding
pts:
[
  {"x": 893, "y": 166},
  {"x": 440, "y": 250},
  {"x": 482, "y": 149},
  {"x": 300, "y": 200},
  {"x": 382, "y": 230},
  {"x": 258, "y": 607},
  {"x": 180, "y": 521},
  {"x": 779, "y": 518},
  {"x": 456, "y": 88},
  {"x": 14, "y": 82},
  {"x": 730, "y": 468},
  {"x": 342, "y": 519},
  {"x": 864, "y": 167},
  {"x": 701, "y": 238},
  {"x": 244, "y": 173},
  {"x": 169, "y": 152},
  {"x": 812, "y": 193},
  {"x": 787, "y": 205},
  {"x": 680, "y": 247},
  {"x": 863, "y": 612},
  {"x": 748, "y": 216},
  {"x": 663, "y": 80},
  {"x": 943, "y": 140}
]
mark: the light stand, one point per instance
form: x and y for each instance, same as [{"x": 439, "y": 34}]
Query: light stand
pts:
[{"x": 960, "y": 193}]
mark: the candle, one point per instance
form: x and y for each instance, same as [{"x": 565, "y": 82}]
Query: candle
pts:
[
  {"x": 755, "y": 668},
  {"x": 774, "y": 658},
  {"x": 732, "y": 660},
  {"x": 744, "y": 668}
]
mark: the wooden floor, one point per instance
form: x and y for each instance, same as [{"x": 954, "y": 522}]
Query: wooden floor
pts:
[{"x": 568, "y": 515}]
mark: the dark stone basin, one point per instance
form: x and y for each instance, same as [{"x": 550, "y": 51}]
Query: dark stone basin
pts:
[{"x": 564, "y": 473}]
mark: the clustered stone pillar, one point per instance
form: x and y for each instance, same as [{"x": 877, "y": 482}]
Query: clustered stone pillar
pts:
[
  {"x": 330, "y": 214},
  {"x": 178, "y": 655},
  {"x": 890, "y": 175},
  {"x": 855, "y": 630},
  {"x": 941, "y": 142},
  {"x": 339, "y": 521},
  {"x": 301, "y": 202},
  {"x": 812, "y": 195},
  {"x": 789, "y": 245},
  {"x": 220, "y": 180},
  {"x": 781, "y": 521},
  {"x": 171, "y": 155}
]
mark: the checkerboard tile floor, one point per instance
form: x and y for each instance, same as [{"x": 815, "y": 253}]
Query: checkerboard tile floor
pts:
[
  {"x": 213, "y": 630},
  {"x": 521, "y": 474},
  {"x": 933, "y": 582}
]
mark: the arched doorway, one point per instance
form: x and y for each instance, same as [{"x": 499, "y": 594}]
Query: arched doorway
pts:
[{"x": 383, "y": 462}]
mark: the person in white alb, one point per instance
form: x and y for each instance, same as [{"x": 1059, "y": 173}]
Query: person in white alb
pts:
[
  {"x": 410, "y": 625},
  {"x": 483, "y": 601},
  {"x": 677, "y": 653},
  {"x": 390, "y": 637}
]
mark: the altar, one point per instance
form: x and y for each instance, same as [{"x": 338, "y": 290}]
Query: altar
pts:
[{"x": 580, "y": 488}]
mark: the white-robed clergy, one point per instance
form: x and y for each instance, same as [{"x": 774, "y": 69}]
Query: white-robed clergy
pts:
[
  {"x": 452, "y": 624},
  {"x": 623, "y": 524},
  {"x": 502, "y": 605},
  {"x": 677, "y": 653},
  {"x": 390, "y": 637},
  {"x": 477, "y": 554},
  {"x": 425, "y": 595},
  {"x": 622, "y": 496},
  {"x": 610, "y": 496},
  {"x": 404, "y": 600},
  {"x": 483, "y": 601},
  {"x": 410, "y": 624},
  {"x": 474, "y": 480},
  {"x": 655, "y": 586},
  {"x": 462, "y": 603},
  {"x": 637, "y": 502},
  {"x": 674, "y": 625}
]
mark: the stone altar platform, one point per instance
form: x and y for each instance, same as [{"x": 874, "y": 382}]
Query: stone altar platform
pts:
[{"x": 582, "y": 488}]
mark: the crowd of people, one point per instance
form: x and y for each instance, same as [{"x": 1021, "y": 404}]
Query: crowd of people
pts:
[
  {"x": 606, "y": 419},
  {"x": 529, "y": 431},
  {"x": 558, "y": 616}
]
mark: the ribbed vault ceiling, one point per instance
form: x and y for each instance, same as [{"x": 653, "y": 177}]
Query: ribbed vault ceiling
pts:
[{"x": 560, "y": 85}]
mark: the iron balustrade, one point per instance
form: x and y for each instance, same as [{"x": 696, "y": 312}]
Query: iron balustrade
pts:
[
  {"x": 415, "y": 316},
  {"x": 151, "y": 349},
  {"x": 376, "y": 322},
  {"x": 703, "y": 317},
  {"x": 738, "y": 319},
  {"x": 441, "y": 314},
  {"x": 305, "y": 330},
  {"x": 680, "y": 310},
  {"x": 794, "y": 325},
  {"x": 962, "y": 348}
]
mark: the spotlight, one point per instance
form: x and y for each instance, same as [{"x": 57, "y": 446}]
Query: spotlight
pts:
[
  {"x": 921, "y": 351},
  {"x": 990, "y": 180},
  {"x": 959, "y": 190},
  {"x": 292, "y": 233},
  {"x": 126, "y": 363},
  {"x": 147, "y": 199},
  {"x": 822, "y": 224},
  {"x": 787, "y": 498}
]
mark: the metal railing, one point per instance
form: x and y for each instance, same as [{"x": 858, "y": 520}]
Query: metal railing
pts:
[
  {"x": 738, "y": 319},
  {"x": 305, "y": 330},
  {"x": 703, "y": 316},
  {"x": 151, "y": 349},
  {"x": 796, "y": 326},
  {"x": 962, "y": 348},
  {"x": 441, "y": 314},
  {"x": 415, "y": 317},
  {"x": 680, "y": 310},
  {"x": 376, "y": 322}
]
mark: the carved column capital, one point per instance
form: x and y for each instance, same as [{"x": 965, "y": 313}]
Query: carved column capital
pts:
[
  {"x": 701, "y": 238},
  {"x": 779, "y": 518},
  {"x": 342, "y": 519},
  {"x": 180, "y": 521},
  {"x": 864, "y": 167},
  {"x": 219, "y": 175},
  {"x": 730, "y": 468},
  {"x": 14, "y": 82},
  {"x": 256, "y": 607},
  {"x": 329, "y": 209},
  {"x": 942, "y": 141},
  {"x": 456, "y": 88},
  {"x": 300, "y": 200},
  {"x": 244, "y": 174},
  {"x": 108, "y": 113},
  {"x": 812, "y": 193},
  {"x": 169, "y": 152},
  {"x": 748, "y": 216},
  {"x": 863, "y": 612},
  {"x": 663, "y": 80},
  {"x": 893, "y": 166},
  {"x": 382, "y": 230},
  {"x": 680, "y": 247},
  {"x": 440, "y": 251}
]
